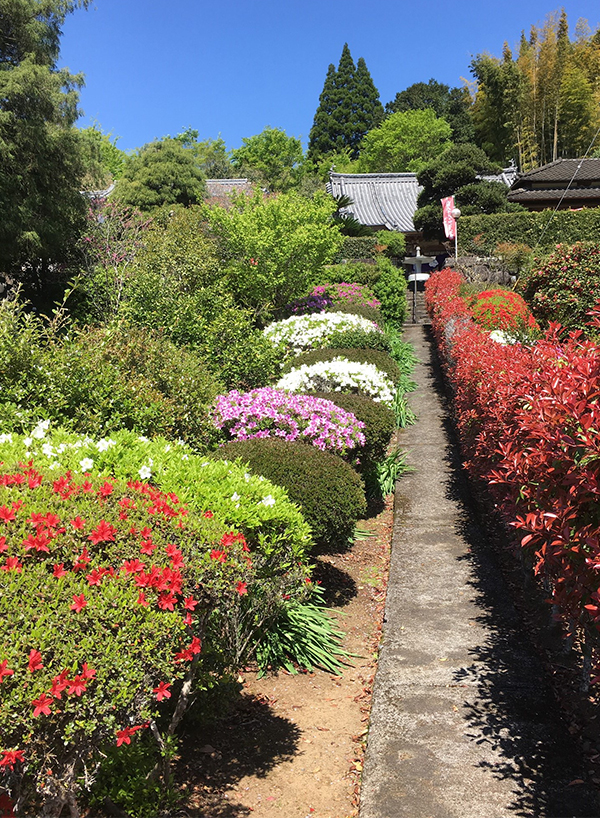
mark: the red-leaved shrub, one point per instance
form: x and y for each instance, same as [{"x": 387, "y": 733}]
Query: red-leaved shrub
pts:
[{"x": 529, "y": 422}]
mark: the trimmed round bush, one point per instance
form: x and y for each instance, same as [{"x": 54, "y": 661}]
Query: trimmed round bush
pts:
[
  {"x": 502, "y": 310},
  {"x": 358, "y": 339},
  {"x": 340, "y": 375},
  {"x": 274, "y": 528},
  {"x": 329, "y": 492},
  {"x": 380, "y": 359},
  {"x": 348, "y": 293},
  {"x": 271, "y": 412},
  {"x": 302, "y": 332},
  {"x": 378, "y": 419},
  {"x": 309, "y": 304}
]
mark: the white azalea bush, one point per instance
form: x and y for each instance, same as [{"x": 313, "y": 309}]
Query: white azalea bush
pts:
[
  {"x": 340, "y": 375},
  {"x": 302, "y": 332}
]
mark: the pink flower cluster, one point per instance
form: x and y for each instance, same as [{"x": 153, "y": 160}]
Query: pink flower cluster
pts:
[
  {"x": 271, "y": 412},
  {"x": 354, "y": 293}
]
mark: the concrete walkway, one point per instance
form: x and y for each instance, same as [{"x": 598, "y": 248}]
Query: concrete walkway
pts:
[{"x": 463, "y": 722}]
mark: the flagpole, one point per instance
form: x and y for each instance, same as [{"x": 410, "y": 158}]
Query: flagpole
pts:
[{"x": 456, "y": 216}]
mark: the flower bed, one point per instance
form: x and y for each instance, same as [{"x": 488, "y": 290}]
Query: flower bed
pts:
[
  {"x": 302, "y": 332},
  {"x": 528, "y": 418},
  {"x": 340, "y": 375},
  {"x": 275, "y": 413},
  {"x": 344, "y": 293}
]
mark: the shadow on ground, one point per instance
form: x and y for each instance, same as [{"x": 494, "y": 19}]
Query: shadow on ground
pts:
[
  {"x": 516, "y": 709},
  {"x": 251, "y": 740}
]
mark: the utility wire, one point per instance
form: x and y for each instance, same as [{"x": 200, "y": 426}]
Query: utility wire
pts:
[{"x": 566, "y": 190}]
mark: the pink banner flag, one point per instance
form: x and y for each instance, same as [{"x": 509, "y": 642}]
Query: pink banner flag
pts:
[{"x": 449, "y": 221}]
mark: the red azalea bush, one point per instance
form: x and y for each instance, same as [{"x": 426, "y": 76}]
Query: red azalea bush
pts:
[
  {"x": 503, "y": 310},
  {"x": 528, "y": 418},
  {"x": 106, "y": 593}
]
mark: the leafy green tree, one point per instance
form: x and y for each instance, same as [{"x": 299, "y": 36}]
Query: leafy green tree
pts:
[
  {"x": 161, "y": 173},
  {"x": 271, "y": 158},
  {"x": 349, "y": 107},
  {"x": 211, "y": 155},
  {"x": 405, "y": 141},
  {"x": 41, "y": 165},
  {"x": 104, "y": 161},
  {"x": 453, "y": 104},
  {"x": 272, "y": 247},
  {"x": 456, "y": 172}
]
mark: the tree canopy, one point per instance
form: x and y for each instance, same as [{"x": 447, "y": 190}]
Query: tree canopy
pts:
[
  {"x": 41, "y": 165},
  {"x": 349, "y": 106},
  {"x": 405, "y": 141},
  {"x": 544, "y": 103},
  {"x": 161, "y": 173},
  {"x": 457, "y": 172},
  {"x": 453, "y": 104},
  {"x": 271, "y": 158}
]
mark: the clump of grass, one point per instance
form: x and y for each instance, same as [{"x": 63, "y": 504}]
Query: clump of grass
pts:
[
  {"x": 303, "y": 637},
  {"x": 390, "y": 469}
]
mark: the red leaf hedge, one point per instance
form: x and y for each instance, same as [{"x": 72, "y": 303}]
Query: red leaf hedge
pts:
[{"x": 529, "y": 419}]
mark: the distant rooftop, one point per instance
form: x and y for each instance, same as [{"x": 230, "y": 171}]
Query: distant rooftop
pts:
[
  {"x": 389, "y": 199},
  {"x": 219, "y": 187},
  {"x": 561, "y": 170},
  {"x": 379, "y": 199}
]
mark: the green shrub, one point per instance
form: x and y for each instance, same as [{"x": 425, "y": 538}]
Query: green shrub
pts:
[
  {"x": 107, "y": 379},
  {"x": 564, "y": 286},
  {"x": 395, "y": 243},
  {"x": 479, "y": 235},
  {"x": 329, "y": 492},
  {"x": 274, "y": 529},
  {"x": 370, "y": 313},
  {"x": 361, "y": 272},
  {"x": 390, "y": 289},
  {"x": 380, "y": 359},
  {"x": 377, "y": 417},
  {"x": 357, "y": 248},
  {"x": 358, "y": 339}
]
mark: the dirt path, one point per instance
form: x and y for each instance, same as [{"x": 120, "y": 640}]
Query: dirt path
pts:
[{"x": 293, "y": 745}]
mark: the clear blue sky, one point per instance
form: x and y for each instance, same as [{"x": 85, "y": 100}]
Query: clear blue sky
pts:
[{"x": 233, "y": 67}]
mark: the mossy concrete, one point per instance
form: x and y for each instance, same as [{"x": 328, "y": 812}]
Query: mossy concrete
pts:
[{"x": 464, "y": 723}]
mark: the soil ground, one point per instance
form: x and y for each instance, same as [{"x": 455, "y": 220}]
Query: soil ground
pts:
[{"x": 292, "y": 745}]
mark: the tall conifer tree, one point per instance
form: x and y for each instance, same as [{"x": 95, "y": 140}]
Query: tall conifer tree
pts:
[{"x": 349, "y": 107}]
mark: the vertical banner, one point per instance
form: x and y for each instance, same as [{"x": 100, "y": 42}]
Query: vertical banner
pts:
[{"x": 449, "y": 221}]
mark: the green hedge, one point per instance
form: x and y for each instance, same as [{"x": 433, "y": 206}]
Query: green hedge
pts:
[
  {"x": 479, "y": 235},
  {"x": 356, "y": 248},
  {"x": 370, "y": 313}
]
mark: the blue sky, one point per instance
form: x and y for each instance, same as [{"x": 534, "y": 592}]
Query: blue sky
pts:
[{"x": 233, "y": 67}]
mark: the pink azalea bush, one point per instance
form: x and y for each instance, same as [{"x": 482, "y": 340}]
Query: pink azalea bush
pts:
[
  {"x": 347, "y": 294},
  {"x": 271, "y": 412}
]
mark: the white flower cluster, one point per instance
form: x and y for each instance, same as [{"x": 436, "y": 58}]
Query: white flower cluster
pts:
[
  {"x": 339, "y": 375},
  {"x": 303, "y": 332}
]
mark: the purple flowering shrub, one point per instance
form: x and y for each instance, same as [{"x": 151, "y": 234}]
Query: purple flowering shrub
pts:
[
  {"x": 272, "y": 412},
  {"x": 308, "y": 304},
  {"x": 347, "y": 294}
]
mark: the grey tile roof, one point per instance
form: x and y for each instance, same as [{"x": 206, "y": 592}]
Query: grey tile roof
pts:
[
  {"x": 561, "y": 170},
  {"x": 379, "y": 199},
  {"x": 554, "y": 194},
  {"x": 388, "y": 199},
  {"x": 218, "y": 187}
]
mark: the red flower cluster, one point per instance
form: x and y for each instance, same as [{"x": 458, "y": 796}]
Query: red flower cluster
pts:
[{"x": 504, "y": 310}]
